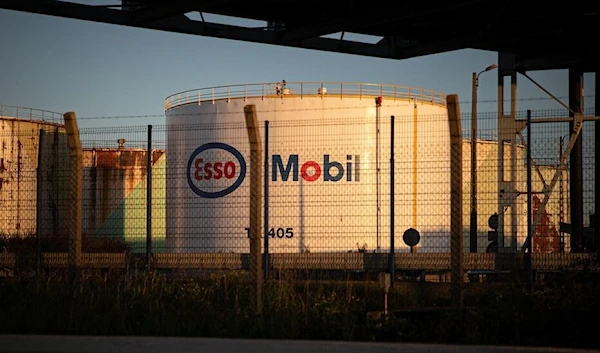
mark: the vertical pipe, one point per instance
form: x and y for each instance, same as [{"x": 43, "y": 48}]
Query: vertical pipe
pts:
[
  {"x": 377, "y": 171},
  {"x": 56, "y": 187},
  {"x": 528, "y": 254},
  {"x": 149, "y": 154},
  {"x": 19, "y": 165},
  {"x": 415, "y": 163},
  {"x": 266, "y": 203},
  {"x": 38, "y": 217},
  {"x": 576, "y": 179},
  {"x": 514, "y": 207},
  {"x": 500, "y": 155},
  {"x": 473, "y": 218},
  {"x": 561, "y": 198},
  {"x": 392, "y": 260}
]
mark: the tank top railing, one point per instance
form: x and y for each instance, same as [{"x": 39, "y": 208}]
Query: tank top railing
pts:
[
  {"x": 283, "y": 89},
  {"x": 22, "y": 113}
]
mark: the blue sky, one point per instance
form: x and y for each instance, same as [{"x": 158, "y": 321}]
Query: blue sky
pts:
[{"x": 100, "y": 70}]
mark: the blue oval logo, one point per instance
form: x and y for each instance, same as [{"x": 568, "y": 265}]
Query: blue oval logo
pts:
[{"x": 215, "y": 170}]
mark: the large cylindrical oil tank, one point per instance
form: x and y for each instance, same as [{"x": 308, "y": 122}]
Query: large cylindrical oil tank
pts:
[
  {"x": 327, "y": 169},
  {"x": 546, "y": 237},
  {"x": 32, "y": 175},
  {"x": 328, "y": 166}
]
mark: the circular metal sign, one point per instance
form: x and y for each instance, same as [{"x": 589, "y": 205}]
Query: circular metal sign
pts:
[
  {"x": 411, "y": 237},
  {"x": 493, "y": 221}
]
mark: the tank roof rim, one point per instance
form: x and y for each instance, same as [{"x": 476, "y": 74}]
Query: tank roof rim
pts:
[
  {"x": 12, "y": 112},
  {"x": 36, "y": 121},
  {"x": 313, "y": 88}
]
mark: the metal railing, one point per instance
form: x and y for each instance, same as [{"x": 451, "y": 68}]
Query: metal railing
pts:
[
  {"x": 302, "y": 89},
  {"x": 483, "y": 134},
  {"x": 24, "y": 113}
]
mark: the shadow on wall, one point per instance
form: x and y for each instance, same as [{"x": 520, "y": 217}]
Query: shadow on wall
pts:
[{"x": 115, "y": 184}]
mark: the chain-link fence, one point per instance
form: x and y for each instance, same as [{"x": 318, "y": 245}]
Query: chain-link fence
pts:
[{"x": 327, "y": 192}]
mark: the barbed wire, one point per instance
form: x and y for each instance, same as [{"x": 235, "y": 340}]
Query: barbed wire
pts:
[{"x": 298, "y": 109}]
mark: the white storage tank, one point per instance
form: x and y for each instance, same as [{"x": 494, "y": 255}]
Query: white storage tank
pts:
[
  {"x": 328, "y": 169},
  {"x": 325, "y": 142}
]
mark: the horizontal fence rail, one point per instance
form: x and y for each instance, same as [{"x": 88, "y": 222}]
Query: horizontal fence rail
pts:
[{"x": 314, "y": 261}]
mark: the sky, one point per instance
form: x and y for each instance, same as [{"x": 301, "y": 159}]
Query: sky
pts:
[
  {"x": 103, "y": 70},
  {"x": 113, "y": 76}
]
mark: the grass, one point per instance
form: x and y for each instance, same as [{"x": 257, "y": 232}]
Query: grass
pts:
[
  {"x": 27, "y": 244},
  {"x": 562, "y": 313}
]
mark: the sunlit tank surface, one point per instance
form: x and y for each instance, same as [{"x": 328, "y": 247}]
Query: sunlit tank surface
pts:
[
  {"x": 328, "y": 168},
  {"x": 114, "y": 194},
  {"x": 30, "y": 204}
]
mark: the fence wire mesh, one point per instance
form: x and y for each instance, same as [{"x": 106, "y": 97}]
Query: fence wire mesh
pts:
[{"x": 328, "y": 183}]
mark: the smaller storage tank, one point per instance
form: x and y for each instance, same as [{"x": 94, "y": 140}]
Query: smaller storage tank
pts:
[
  {"x": 114, "y": 194},
  {"x": 32, "y": 174}
]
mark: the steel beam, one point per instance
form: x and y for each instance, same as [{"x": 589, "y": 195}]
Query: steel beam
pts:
[
  {"x": 597, "y": 163},
  {"x": 412, "y": 30},
  {"x": 156, "y": 12},
  {"x": 507, "y": 128},
  {"x": 576, "y": 160},
  {"x": 182, "y": 24},
  {"x": 575, "y": 135}
]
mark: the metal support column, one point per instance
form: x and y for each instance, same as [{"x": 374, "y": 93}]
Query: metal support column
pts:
[
  {"x": 149, "y": 199},
  {"x": 473, "y": 218},
  {"x": 501, "y": 70},
  {"x": 575, "y": 159},
  {"x": 514, "y": 208},
  {"x": 392, "y": 259},
  {"x": 597, "y": 163},
  {"x": 266, "y": 205},
  {"x": 378, "y": 170},
  {"x": 529, "y": 240},
  {"x": 507, "y": 136},
  {"x": 39, "y": 219}
]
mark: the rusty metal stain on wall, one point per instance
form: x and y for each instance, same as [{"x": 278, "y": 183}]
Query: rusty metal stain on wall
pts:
[
  {"x": 21, "y": 193},
  {"x": 110, "y": 175}
]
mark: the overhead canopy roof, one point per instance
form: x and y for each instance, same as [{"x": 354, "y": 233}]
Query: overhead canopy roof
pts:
[{"x": 542, "y": 35}]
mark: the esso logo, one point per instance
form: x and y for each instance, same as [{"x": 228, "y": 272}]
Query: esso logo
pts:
[{"x": 215, "y": 170}]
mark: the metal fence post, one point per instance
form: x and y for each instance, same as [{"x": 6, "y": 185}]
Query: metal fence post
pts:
[
  {"x": 75, "y": 193},
  {"x": 266, "y": 203},
  {"x": 528, "y": 254},
  {"x": 456, "y": 214},
  {"x": 255, "y": 209},
  {"x": 149, "y": 199},
  {"x": 392, "y": 260},
  {"x": 38, "y": 217}
]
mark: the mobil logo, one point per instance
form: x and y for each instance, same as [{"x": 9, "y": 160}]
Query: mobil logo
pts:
[
  {"x": 215, "y": 170},
  {"x": 327, "y": 169}
]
